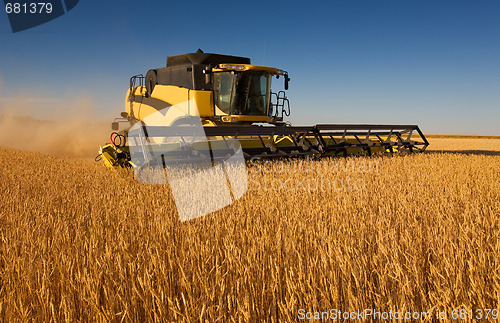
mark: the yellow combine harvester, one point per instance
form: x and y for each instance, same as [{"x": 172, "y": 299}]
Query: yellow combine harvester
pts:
[{"x": 232, "y": 99}]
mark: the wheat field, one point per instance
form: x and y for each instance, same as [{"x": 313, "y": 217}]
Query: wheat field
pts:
[{"x": 403, "y": 233}]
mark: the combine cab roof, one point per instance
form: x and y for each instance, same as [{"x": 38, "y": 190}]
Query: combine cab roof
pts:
[{"x": 205, "y": 59}]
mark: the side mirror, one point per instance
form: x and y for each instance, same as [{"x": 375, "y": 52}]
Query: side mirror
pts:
[{"x": 287, "y": 79}]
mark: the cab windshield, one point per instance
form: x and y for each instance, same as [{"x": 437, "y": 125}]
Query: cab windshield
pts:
[{"x": 243, "y": 93}]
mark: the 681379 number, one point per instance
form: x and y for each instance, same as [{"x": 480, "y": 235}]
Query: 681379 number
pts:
[
  {"x": 478, "y": 314},
  {"x": 28, "y": 8}
]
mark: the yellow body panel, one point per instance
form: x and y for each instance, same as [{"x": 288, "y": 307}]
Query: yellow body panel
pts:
[
  {"x": 174, "y": 95},
  {"x": 204, "y": 102},
  {"x": 190, "y": 102}
]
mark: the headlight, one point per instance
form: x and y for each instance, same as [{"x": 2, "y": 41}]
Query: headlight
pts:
[{"x": 232, "y": 67}]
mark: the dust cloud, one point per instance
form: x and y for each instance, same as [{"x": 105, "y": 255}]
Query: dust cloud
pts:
[{"x": 66, "y": 127}]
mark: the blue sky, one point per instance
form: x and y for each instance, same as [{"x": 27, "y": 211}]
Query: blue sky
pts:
[{"x": 432, "y": 63}]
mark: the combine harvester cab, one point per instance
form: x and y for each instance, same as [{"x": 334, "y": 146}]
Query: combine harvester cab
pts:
[{"x": 231, "y": 101}]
